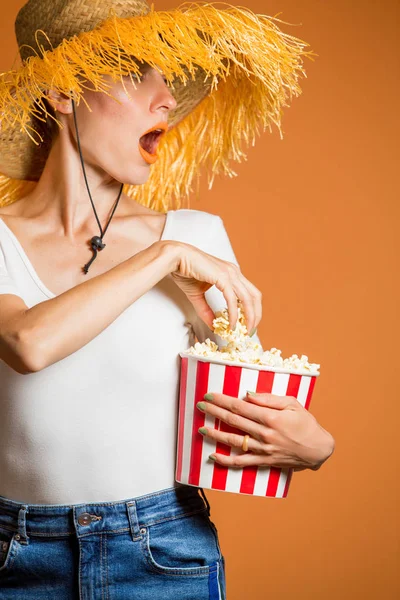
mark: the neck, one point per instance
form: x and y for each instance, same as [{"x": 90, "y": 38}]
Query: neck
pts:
[{"x": 61, "y": 195}]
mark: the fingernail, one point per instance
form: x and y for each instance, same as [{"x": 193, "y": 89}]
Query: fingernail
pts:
[
  {"x": 203, "y": 430},
  {"x": 253, "y": 394},
  {"x": 252, "y": 332},
  {"x": 208, "y": 397},
  {"x": 211, "y": 457},
  {"x": 201, "y": 405}
]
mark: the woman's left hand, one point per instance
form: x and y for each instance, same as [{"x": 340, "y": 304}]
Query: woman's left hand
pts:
[{"x": 282, "y": 432}]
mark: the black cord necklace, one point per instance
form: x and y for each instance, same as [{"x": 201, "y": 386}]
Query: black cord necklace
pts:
[{"x": 96, "y": 242}]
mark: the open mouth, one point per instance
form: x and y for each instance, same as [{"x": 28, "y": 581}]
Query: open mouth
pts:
[{"x": 148, "y": 142}]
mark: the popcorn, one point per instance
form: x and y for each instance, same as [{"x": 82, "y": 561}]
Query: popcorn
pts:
[{"x": 242, "y": 348}]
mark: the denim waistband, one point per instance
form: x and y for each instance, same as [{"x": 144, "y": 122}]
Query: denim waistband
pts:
[{"x": 50, "y": 520}]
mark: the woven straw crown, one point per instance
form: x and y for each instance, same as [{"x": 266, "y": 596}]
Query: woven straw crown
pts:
[
  {"x": 229, "y": 70},
  {"x": 62, "y": 19}
]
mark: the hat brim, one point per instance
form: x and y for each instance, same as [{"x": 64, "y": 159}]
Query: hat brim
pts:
[{"x": 231, "y": 72}]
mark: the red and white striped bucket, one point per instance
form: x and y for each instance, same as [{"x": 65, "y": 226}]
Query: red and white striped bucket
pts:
[{"x": 200, "y": 375}]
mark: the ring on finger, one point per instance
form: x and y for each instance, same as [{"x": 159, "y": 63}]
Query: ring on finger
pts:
[{"x": 245, "y": 443}]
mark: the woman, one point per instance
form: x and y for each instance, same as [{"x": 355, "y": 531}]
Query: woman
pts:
[{"x": 90, "y": 360}]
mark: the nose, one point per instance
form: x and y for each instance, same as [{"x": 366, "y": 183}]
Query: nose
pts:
[
  {"x": 170, "y": 101},
  {"x": 165, "y": 98}
]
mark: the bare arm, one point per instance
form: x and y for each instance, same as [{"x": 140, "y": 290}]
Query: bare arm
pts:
[{"x": 32, "y": 339}]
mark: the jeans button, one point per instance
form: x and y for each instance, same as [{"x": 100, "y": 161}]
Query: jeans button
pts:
[{"x": 84, "y": 519}]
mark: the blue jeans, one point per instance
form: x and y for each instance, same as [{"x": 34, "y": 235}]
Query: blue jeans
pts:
[{"x": 162, "y": 546}]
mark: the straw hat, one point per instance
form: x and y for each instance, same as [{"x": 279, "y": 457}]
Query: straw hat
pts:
[{"x": 229, "y": 70}]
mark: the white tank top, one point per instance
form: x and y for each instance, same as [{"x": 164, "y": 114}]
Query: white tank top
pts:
[{"x": 100, "y": 424}]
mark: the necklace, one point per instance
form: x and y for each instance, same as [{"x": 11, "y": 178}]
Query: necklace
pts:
[{"x": 96, "y": 241}]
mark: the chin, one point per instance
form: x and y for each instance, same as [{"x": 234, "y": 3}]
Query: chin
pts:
[{"x": 139, "y": 177}]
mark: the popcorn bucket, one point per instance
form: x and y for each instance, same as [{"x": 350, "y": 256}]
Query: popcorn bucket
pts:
[{"x": 200, "y": 375}]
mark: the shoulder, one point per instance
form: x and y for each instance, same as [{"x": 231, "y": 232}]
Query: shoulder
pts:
[
  {"x": 10, "y": 219},
  {"x": 197, "y": 218},
  {"x": 201, "y": 229},
  {"x": 192, "y": 226},
  {"x": 3, "y": 226},
  {"x": 15, "y": 209}
]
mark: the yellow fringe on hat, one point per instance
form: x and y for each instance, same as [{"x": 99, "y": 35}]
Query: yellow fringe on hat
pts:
[{"x": 252, "y": 64}]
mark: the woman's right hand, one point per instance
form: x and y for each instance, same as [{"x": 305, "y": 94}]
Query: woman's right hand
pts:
[{"x": 196, "y": 272}]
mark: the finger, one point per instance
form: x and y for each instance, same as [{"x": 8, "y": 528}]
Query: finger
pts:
[
  {"x": 259, "y": 413},
  {"x": 273, "y": 401},
  {"x": 235, "y": 440},
  {"x": 231, "y": 301},
  {"x": 236, "y": 421},
  {"x": 248, "y": 303},
  {"x": 243, "y": 460},
  {"x": 257, "y": 300},
  {"x": 203, "y": 310}
]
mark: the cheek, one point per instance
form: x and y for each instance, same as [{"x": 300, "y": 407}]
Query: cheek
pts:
[
  {"x": 111, "y": 132},
  {"x": 108, "y": 111},
  {"x": 120, "y": 119}
]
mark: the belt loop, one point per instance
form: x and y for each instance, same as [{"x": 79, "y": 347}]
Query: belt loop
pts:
[
  {"x": 205, "y": 500},
  {"x": 133, "y": 521},
  {"x": 24, "y": 539}
]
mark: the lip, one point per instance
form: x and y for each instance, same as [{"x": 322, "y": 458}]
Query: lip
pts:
[{"x": 151, "y": 158}]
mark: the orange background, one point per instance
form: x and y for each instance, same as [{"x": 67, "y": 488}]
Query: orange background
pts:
[{"x": 314, "y": 222}]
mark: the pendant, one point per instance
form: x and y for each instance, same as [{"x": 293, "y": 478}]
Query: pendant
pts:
[{"x": 97, "y": 244}]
